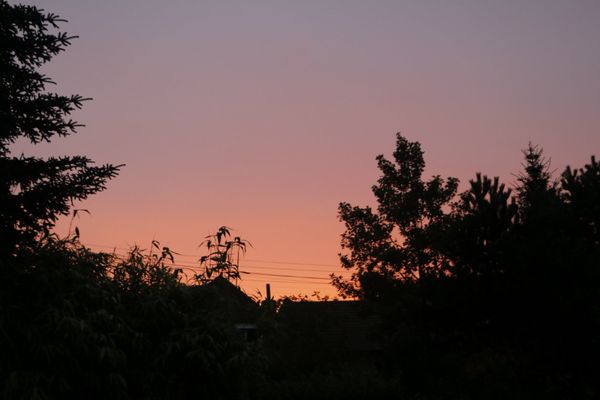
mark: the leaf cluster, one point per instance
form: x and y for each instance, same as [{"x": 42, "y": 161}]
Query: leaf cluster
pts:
[
  {"x": 75, "y": 322},
  {"x": 490, "y": 291},
  {"x": 222, "y": 260}
]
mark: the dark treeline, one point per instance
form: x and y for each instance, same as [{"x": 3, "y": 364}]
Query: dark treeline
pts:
[
  {"x": 490, "y": 293},
  {"x": 485, "y": 294}
]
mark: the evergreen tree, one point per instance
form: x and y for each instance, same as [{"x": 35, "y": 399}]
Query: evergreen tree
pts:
[{"x": 34, "y": 191}]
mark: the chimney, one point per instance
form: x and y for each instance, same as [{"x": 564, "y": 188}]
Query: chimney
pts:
[{"x": 268, "y": 292}]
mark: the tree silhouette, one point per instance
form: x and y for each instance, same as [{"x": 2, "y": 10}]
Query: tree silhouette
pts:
[
  {"x": 393, "y": 243},
  {"x": 534, "y": 183},
  {"x": 34, "y": 191},
  {"x": 75, "y": 323},
  {"x": 485, "y": 294},
  {"x": 223, "y": 258},
  {"x": 582, "y": 194}
]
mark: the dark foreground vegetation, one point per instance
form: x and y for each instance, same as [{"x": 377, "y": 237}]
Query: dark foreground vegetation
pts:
[
  {"x": 485, "y": 294},
  {"x": 76, "y": 324}
]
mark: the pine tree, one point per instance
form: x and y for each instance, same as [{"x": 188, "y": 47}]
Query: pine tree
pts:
[{"x": 35, "y": 192}]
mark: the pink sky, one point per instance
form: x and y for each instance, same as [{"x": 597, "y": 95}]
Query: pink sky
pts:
[{"x": 264, "y": 115}]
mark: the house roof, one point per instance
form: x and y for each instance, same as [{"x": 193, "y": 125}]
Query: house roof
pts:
[
  {"x": 228, "y": 300},
  {"x": 341, "y": 324}
]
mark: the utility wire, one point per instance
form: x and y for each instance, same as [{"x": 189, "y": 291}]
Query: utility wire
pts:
[
  {"x": 246, "y": 259},
  {"x": 284, "y": 276},
  {"x": 283, "y": 282},
  {"x": 262, "y": 273},
  {"x": 195, "y": 268}
]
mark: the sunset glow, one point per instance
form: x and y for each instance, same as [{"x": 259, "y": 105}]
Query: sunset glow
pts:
[{"x": 264, "y": 116}]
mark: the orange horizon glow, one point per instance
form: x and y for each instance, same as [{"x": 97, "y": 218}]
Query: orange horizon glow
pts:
[{"x": 264, "y": 116}]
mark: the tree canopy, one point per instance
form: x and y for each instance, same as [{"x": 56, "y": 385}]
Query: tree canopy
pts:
[
  {"x": 488, "y": 285},
  {"x": 34, "y": 191}
]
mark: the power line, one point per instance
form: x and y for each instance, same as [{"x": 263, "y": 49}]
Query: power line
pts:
[
  {"x": 284, "y": 276},
  {"x": 275, "y": 268},
  {"x": 265, "y": 274},
  {"x": 293, "y": 263},
  {"x": 246, "y": 259},
  {"x": 194, "y": 268},
  {"x": 270, "y": 261},
  {"x": 280, "y": 279},
  {"x": 283, "y": 282},
  {"x": 197, "y": 268}
]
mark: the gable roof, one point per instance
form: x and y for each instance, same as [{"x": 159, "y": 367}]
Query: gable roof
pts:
[{"x": 227, "y": 299}]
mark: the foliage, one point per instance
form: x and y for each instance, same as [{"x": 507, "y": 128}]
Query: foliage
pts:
[
  {"x": 138, "y": 271},
  {"x": 344, "y": 382},
  {"x": 487, "y": 293},
  {"x": 34, "y": 192},
  {"x": 301, "y": 297},
  {"x": 223, "y": 256},
  {"x": 391, "y": 244},
  {"x": 75, "y": 322}
]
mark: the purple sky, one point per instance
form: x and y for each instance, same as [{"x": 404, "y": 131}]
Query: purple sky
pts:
[{"x": 264, "y": 115}]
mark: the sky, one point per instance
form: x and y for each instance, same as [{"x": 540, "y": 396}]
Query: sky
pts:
[{"x": 263, "y": 116}]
